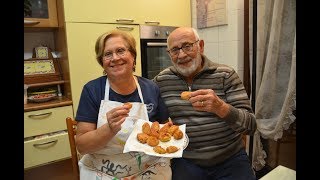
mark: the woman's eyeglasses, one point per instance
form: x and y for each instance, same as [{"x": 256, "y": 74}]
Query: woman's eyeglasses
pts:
[
  {"x": 119, "y": 52},
  {"x": 187, "y": 47}
]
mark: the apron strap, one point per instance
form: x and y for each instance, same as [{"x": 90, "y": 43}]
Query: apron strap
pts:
[{"x": 106, "y": 93}]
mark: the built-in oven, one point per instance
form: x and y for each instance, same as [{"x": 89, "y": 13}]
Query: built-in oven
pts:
[{"x": 154, "y": 56}]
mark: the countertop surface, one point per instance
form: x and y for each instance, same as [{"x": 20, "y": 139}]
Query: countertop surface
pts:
[{"x": 280, "y": 172}]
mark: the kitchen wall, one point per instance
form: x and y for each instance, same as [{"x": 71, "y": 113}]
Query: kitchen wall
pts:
[{"x": 224, "y": 44}]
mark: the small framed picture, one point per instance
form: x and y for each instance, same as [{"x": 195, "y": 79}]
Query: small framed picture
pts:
[{"x": 41, "y": 52}]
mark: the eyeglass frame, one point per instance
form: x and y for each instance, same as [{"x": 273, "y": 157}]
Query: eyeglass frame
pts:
[
  {"x": 182, "y": 47},
  {"x": 122, "y": 54}
]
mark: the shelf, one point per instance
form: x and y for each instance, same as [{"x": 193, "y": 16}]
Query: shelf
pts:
[
  {"x": 60, "y": 101},
  {"x": 46, "y": 83}
]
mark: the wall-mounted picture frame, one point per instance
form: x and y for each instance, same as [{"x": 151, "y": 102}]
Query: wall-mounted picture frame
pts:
[{"x": 211, "y": 13}]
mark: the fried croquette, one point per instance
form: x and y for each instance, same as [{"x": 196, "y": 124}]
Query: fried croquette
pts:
[
  {"x": 146, "y": 128},
  {"x": 178, "y": 134},
  {"x": 142, "y": 137},
  {"x": 185, "y": 95},
  {"x": 129, "y": 104},
  {"x": 152, "y": 141},
  {"x": 172, "y": 129},
  {"x": 164, "y": 128},
  {"x": 164, "y": 137},
  {"x": 171, "y": 149},
  {"x": 159, "y": 149},
  {"x": 153, "y": 136},
  {"x": 155, "y": 126},
  {"x": 154, "y": 133}
]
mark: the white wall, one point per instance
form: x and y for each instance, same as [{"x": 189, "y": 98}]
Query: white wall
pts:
[{"x": 224, "y": 44}]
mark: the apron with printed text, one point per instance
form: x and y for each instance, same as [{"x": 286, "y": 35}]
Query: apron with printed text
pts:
[{"x": 110, "y": 163}]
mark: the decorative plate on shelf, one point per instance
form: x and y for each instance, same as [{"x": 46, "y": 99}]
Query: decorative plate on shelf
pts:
[
  {"x": 44, "y": 92},
  {"x": 42, "y": 97}
]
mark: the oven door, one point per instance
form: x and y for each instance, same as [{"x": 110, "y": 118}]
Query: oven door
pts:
[{"x": 154, "y": 57}]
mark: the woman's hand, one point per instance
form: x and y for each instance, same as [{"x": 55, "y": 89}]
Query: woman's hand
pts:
[{"x": 116, "y": 117}]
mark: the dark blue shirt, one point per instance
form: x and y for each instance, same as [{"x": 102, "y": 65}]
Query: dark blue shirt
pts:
[{"x": 93, "y": 93}]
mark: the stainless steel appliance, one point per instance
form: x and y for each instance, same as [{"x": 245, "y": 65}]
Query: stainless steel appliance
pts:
[{"x": 154, "y": 56}]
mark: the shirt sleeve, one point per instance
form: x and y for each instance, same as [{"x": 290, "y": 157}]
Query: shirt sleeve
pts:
[{"x": 89, "y": 104}]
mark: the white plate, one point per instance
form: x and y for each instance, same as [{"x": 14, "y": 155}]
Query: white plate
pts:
[{"x": 132, "y": 144}]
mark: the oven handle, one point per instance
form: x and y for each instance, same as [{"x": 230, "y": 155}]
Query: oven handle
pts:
[{"x": 156, "y": 44}]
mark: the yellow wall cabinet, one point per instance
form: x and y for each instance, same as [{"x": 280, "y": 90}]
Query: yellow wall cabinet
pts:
[
  {"x": 81, "y": 38},
  {"x": 151, "y": 12}
]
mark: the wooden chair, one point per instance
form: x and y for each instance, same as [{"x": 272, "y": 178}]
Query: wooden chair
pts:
[{"x": 72, "y": 126}]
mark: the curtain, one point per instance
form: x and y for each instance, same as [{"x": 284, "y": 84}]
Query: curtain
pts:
[{"x": 275, "y": 72}]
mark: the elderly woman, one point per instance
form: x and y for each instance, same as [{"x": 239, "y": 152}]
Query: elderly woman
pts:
[{"x": 105, "y": 119}]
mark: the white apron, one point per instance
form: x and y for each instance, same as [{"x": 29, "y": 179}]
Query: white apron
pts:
[{"x": 110, "y": 163}]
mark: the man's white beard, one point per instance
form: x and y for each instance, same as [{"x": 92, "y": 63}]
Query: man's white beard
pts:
[{"x": 195, "y": 63}]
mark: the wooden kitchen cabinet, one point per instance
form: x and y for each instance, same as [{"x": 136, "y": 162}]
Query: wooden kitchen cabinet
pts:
[
  {"x": 45, "y": 132},
  {"x": 155, "y": 12},
  {"x": 81, "y": 54}
]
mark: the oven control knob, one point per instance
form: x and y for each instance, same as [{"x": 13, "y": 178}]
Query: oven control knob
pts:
[
  {"x": 157, "y": 33},
  {"x": 167, "y": 33}
]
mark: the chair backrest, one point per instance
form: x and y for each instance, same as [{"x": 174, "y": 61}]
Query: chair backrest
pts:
[
  {"x": 72, "y": 127},
  {"x": 244, "y": 140}
]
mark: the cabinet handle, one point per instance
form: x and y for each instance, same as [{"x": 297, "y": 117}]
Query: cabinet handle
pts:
[
  {"x": 124, "y": 20},
  {"x": 30, "y": 22},
  {"x": 152, "y": 22},
  {"x": 125, "y": 28},
  {"x": 156, "y": 44},
  {"x": 42, "y": 114},
  {"x": 45, "y": 143}
]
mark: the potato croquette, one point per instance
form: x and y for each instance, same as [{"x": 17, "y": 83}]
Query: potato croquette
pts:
[
  {"x": 159, "y": 149},
  {"x": 142, "y": 137},
  {"x": 152, "y": 141},
  {"x": 164, "y": 128},
  {"x": 164, "y": 137},
  {"x": 172, "y": 129},
  {"x": 155, "y": 126},
  {"x": 129, "y": 104},
  {"x": 146, "y": 128},
  {"x": 154, "y": 133},
  {"x": 172, "y": 149},
  {"x": 185, "y": 95},
  {"x": 154, "y": 136},
  {"x": 178, "y": 134}
]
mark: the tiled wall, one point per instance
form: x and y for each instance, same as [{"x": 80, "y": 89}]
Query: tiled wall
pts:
[{"x": 224, "y": 44}]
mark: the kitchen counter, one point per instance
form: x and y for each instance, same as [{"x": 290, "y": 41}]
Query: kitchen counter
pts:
[{"x": 280, "y": 172}]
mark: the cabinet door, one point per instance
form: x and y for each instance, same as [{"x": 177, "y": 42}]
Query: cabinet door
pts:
[
  {"x": 81, "y": 38},
  {"x": 164, "y": 12},
  {"x": 99, "y": 11},
  {"x": 41, "y": 13}
]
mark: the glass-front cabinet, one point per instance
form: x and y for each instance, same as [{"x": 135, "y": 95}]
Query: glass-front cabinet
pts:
[{"x": 40, "y": 13}]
